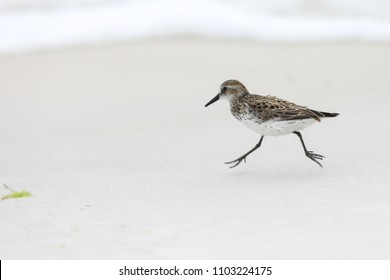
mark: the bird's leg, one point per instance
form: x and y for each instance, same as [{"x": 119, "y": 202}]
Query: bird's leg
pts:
[
  {"x": 243, "y": 158},
  {"x": 309, "y": 154}
]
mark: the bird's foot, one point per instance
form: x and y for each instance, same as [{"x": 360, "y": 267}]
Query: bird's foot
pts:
[
  {"x": 236, "y": 161},
  {"x": 315, "y": 157}
]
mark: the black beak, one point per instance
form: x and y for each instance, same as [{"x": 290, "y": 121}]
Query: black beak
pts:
[{"x": 213, "y": 100}]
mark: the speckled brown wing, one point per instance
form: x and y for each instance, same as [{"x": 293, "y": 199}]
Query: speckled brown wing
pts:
[{"x": 275, "y": 108}]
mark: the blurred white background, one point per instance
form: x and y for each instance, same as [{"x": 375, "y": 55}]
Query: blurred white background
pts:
[{"x": 36, "y": 24}]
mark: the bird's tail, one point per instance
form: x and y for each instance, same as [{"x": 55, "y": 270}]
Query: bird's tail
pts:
[
  {"x": 330, "y": 115},
  {"x": 325, "y": 114}
]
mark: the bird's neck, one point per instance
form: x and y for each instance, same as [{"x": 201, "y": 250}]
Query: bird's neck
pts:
[{"x": 238, "y": 97}]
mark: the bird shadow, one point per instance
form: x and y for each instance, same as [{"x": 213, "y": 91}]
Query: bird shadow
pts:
[{"x": 277, "y": 175}]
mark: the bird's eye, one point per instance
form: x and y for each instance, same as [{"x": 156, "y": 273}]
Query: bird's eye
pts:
[{"x": 224, "y": 89}]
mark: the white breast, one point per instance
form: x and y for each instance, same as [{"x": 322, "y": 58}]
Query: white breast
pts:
[{"x": 276, "y": 128}]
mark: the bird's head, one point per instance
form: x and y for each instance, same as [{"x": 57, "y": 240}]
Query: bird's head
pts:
[{"x": 229, "y": 90}]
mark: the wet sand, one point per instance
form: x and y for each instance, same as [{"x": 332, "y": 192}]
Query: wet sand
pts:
[{"x": 124, "y": 161}]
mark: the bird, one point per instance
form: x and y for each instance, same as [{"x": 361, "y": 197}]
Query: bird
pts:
[{"x": 268, "y": 116}]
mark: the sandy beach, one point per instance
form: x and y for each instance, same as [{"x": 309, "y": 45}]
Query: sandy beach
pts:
[{"x": 124, "y": 162}]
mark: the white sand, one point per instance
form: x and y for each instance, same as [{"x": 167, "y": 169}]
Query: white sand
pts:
[{"x": 124, "y": 162}]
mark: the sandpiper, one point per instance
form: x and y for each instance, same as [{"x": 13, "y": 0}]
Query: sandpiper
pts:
[{"x": 268, "y": 115}]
